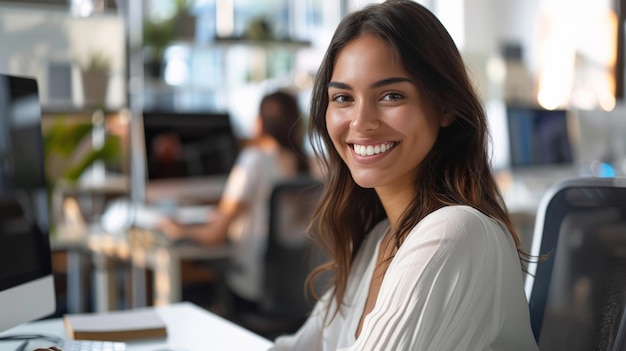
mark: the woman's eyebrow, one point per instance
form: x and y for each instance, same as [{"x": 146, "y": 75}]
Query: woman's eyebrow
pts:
[
  {"x": 378, "y": 84},
  {"x": 391, "y": 80},
  {"x": 339, "y": 85}
]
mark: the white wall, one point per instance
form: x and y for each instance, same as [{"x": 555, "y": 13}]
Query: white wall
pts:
[
  {"x": 488, "y": 23},
  {"x": 31, "y": 39}
]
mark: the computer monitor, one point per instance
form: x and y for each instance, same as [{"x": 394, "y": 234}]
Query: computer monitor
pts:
[
  {"x": 26, "y": 281},
  {"x": 538, "y": 138},
  {"x": 187, "y": 154}
]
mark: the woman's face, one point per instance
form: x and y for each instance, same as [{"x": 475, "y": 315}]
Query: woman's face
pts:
[{"x": 379, "y": 123}]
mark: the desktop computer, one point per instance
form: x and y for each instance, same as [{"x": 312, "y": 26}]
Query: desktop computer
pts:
[{"x": 26, "y": 281}]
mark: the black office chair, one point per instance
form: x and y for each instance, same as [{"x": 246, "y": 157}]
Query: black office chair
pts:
[
  {"x": 291, "y": 255},
  {"x": 577, "y": 297}
]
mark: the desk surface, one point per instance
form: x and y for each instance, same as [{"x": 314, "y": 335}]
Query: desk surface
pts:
[
  {"x": 189, "y": 328},
  {"x": 140, "y": 249}
]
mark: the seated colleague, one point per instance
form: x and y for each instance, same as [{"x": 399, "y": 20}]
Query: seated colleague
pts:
[
  {"x": 275, "y": 153},
  {"x": 423, "y": 251}
]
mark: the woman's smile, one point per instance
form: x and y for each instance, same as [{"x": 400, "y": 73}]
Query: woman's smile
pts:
[{"x": 371, "y": 150}]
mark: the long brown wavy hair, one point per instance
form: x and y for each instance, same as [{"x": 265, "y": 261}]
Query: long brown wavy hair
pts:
[{"x": 456, "y": 171}]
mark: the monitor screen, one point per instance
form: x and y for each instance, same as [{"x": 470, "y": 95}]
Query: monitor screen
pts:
[
  {"x": 186, "y": 145},
  {"x": 188, "y": 156},
  {"x": 25, "y": 266},
  {"x": 538, "y": 137}
]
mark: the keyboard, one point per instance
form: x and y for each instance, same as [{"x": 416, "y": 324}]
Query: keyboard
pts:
[{"x": 92, "y": 345}]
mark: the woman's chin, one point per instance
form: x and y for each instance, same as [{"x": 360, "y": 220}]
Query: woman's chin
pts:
[{"x": 366, "y": 181}]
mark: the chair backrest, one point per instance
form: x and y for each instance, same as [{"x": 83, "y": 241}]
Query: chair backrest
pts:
[
  {"x": 577, "y": 292},
  {"x": 291, "y": 254}
]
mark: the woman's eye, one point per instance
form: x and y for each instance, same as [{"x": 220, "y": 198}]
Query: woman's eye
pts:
[
  {"x": 393, "y": 97},
  {"x": 340, "y": 98}
]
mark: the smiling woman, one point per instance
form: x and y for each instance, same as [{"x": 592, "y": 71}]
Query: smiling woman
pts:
[
  {"x": 422, "y": 249},
  {"x": 373, "y": 103}
]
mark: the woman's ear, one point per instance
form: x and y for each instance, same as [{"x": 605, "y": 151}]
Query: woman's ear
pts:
[{"x": 446, "y": 119}]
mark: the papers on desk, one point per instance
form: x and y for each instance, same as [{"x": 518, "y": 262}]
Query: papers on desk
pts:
[
  {"x": 116, "y": 325},
  {"x": 121, "y": 214},
  {"x": 148, "y": 217},
  {"x": 192, "y": 215}
]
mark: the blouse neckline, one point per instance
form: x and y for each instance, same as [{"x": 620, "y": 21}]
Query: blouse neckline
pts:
[{"x": 359, "y": 297}]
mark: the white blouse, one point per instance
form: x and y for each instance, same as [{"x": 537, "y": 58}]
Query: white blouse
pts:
[{"x": 456, "y": 283}]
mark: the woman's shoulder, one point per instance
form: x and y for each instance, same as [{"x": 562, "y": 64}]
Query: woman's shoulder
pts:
[
  {"x": 460, "y": 235},
  {"x": 458, "y": 213},
  {"x": 458, "y": 210},
  {"x": 461, "y": 222}
]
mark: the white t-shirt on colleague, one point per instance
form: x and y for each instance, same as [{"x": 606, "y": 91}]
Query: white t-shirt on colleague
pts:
[{"x": 251, "y": 181}]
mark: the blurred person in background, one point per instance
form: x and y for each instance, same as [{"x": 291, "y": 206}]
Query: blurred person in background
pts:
[{"x": 274, "y": 153}]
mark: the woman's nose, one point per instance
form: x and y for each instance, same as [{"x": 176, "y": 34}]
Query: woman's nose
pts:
[{"x": 364, "y": 118}]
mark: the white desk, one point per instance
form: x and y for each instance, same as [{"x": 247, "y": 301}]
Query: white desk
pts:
[
  {"x": 164, "y": 261},
  {"x": 139, "y": 254},
  {"x": 189, "y": 328}
]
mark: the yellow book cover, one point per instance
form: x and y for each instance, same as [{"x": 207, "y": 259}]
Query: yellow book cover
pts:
[{"x": 115, "y": 325}]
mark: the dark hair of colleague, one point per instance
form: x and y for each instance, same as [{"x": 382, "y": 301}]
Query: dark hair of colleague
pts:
[{"x": 281, "y": 118}]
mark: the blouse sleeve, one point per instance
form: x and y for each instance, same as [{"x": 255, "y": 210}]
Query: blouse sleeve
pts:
[
  {"x": 309, "y": 336},
  {"x": 440, "y": 290}
]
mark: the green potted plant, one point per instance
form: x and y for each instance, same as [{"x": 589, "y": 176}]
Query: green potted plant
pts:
[
  {"x": 69, "y": 152},
  {"x": 66, "y": 144},
  {"x": 157, "y": 36}
]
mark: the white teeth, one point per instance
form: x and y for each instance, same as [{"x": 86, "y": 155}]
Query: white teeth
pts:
[{"x": 370, "y": 150}]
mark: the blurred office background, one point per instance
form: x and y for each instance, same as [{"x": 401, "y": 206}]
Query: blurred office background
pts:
[
  {"x": 550, "y": 72},
  {"x": 212, "y": 55}
]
